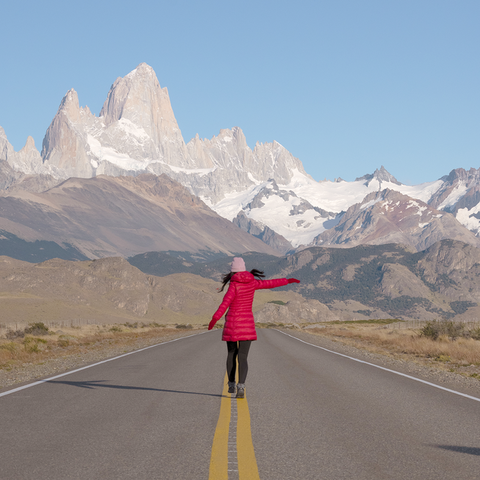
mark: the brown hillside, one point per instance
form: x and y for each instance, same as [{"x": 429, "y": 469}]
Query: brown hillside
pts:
[
  {"x": 123, "y": 216},
  {"x": 108, "y": 290}
]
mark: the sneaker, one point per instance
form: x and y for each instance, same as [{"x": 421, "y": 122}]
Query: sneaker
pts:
[
  {"x": 231, "y": 387},
  {"x": 241, "y": 390}
]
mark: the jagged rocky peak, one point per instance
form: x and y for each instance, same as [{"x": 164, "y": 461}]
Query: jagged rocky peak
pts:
[
  {"x": 380, "y": 175},
  {"x": 70, "y": 106},
  {"x": 462, "y": 175},
  {"x": 460, "y": 189},
  {"x": 29, "y": 144},
  {"x": 263, "y": 232},
  {"x": 234, "y": 135},
  {"x": 64, "y": 146},
  {"x": 6, "y": 149},
  {"x": 275, "y": 161},
  {"x": 27, "y": 160},
  {"x": 139, "y": 98}
]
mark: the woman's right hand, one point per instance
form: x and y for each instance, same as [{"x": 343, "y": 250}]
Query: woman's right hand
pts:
[{"x": 211, "y": 324}]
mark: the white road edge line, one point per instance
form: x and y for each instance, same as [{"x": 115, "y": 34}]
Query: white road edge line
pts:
[
  {"x": 383, "y": 368},
  {"x": 8, "y": 392}
]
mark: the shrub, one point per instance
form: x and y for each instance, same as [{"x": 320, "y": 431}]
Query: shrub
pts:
[
  {"x": 11, "y": 334},
  {"x": 475, "y": 333},
  {"x": 64, "y": 341},
  {"x": 115, "y": 329},
  {"x": 10, "y": 347},
  {"x": 155, "y": 325},
  {"x": 182, "y": 325},
  {"x": 34, "y": 345},
  {"x": 454, "y": 330},
  {"x": 436, "y": 328},
  {"x": 431, "y": 330},
  {"x": 131, "y": 325},
  {"x": 38, "y": 328}
]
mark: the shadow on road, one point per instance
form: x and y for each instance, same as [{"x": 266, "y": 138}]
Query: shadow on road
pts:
[
  {"x": 459, "y": 449},
  {"x": 97, "y": 383}
]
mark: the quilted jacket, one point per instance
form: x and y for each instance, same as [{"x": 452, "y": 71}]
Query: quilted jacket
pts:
[{"x": 239, "y": 321}]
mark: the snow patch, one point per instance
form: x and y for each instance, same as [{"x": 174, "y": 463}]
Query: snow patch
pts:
[
  {"x": 420, "y": 208},
  {"x": 253, "y": 179},
  {"x": 369, "y": 204},
  {"x": 191, "y": 171},
  {"x": 467, "y": 219},
  {"x": 455, "y": 195},
  {"x": 131, "y": 129}
]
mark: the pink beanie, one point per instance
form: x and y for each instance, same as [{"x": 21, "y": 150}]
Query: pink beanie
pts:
[{"x": 238, "y": 265}]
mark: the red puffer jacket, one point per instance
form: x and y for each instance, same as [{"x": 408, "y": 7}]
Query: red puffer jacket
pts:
[{"x": 239, "y": 321}]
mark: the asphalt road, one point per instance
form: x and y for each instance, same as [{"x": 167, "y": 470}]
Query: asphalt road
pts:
[{"x": 314, "y": 415}]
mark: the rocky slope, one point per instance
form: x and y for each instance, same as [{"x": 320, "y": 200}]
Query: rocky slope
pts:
[
  {"x": 460, "y": 195},
  {"x": 390, "y": 217}
]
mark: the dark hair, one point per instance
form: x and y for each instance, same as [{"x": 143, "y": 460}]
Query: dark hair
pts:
[{"x": 228, "y": 276}]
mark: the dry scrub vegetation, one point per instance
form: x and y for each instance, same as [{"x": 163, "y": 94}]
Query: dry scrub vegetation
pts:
[
  {"x": 36, "y": 343},
  {"x": 445, "y": 345}
]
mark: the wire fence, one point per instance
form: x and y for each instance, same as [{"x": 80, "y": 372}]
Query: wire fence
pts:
[
  {"x": 54, "y": 325},
  {"x": 419, "y": 324}
]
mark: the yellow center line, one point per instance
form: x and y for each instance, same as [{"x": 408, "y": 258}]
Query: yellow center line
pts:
[
  {"x": 247, "y": 463},
  {"x": 219, "y": 457}
]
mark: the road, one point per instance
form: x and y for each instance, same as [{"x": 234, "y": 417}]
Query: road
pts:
[{"x": 157, "y": 414}]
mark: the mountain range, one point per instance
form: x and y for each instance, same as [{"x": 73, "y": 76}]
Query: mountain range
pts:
[{"x": 102, "y": 186}]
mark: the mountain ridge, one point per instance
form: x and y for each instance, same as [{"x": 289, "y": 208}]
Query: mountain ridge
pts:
[{"x": 110, "y": 216}]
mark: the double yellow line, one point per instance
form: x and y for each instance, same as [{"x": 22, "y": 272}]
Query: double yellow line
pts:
[{"x": 247, "y": 464}]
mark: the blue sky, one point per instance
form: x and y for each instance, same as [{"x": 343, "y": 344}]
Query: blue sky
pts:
[{"x": 345, "y": 85}]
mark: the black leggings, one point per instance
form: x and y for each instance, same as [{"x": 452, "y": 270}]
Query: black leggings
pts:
[{"x": 238, "y": 349}]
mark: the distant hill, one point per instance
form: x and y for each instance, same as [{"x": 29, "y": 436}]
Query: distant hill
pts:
[
  {"x": 115, "y": 216},
  {"x": 108, "y": 290},
  {"x": 203, "y": 263},
  {"x": 367, "y": 281}
]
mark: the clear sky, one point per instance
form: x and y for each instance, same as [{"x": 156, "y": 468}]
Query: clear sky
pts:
[{"x": 345, "y": 85}]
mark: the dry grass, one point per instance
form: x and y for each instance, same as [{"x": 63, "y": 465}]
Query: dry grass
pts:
[
  {"x": 461, "y": 355},
  {"x": 36, "y": 349}
]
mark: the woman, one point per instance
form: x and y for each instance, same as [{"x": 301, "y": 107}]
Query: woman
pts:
[{"x": 239, "y": 330}]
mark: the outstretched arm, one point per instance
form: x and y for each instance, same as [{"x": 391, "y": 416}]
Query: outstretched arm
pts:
[{"x": 275, "y": 282}]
